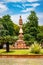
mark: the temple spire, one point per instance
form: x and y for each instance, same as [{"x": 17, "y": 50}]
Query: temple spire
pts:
[
  {"x": 20, "y": 43},
  {"x": 20, "y": 26}
]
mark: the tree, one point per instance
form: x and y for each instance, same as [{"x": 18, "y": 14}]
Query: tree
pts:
[
  {"x": 27, "y": 37},
  {"x": 33, "y": 19},
  {"x": 39, "y": 36},
  {"x": 8, "y": 24},
  {"x": 33, "y": 28},
  {"x": 26, "y": 27},
  {"x": 41, "y": 28},
  {"x": 16, "y": 28},
  {"x": 3, "y": 31}
]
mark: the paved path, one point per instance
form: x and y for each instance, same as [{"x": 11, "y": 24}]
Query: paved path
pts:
[{"x": 21, "y": 61}]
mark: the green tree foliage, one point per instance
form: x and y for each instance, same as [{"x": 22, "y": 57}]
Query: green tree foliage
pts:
[
  {"x": 41, "y": 28},
  {"x": 27, "y": 37},
  {"x": 16, "y": 28},
  {"x": 3, "y": 32},
  {"x": 39, "y": 36},
  {"x": 26, "y": 27},
  {"x": 8, "y": 24},
  {"x": 31, "y": 27},
  {"x": 7, "y": 27},
  {"x": 33, "y": 19},
  {"x": 7, "y": 30}
]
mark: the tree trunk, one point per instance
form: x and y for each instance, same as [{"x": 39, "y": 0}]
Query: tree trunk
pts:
[{"x": 7, "y": 46}]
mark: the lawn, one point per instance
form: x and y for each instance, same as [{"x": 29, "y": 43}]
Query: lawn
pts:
[{"x": 17, "y": 52}]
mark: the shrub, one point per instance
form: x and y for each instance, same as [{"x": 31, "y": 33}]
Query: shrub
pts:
[
  {"x": 35, "y": 48},
  {"x": 41, "y": 52}
]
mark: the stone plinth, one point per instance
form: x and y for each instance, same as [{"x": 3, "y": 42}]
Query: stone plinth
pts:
[{"x": 20, "y": 44}]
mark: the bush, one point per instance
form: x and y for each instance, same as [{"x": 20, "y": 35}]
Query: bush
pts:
[
  {"x": 35, "y": 48},
  {"x": 41, "y": 52}
]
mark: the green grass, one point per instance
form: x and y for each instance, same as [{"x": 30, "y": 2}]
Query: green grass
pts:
[
  {"x": 18, "y": 52},
  {"x": 15, "y": 52}
]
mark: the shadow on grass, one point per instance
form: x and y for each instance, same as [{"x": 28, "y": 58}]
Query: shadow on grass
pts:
[{"x": 4, "y": 52}]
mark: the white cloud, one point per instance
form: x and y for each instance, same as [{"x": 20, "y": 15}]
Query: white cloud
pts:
[
  {"x": 27, "y": 9},
  {"x": 14, "y": 0},
  {"x": 19, "y": 6},
  {"x": 0, "y": 16},
  {"x": 32, "y": 0},
  {"x": 20, "y": 0},
  {"x": 3, "y": 7},
  {"x": 15, "y": 18},
  {"x": 35, "y": 4},
  {"x": 40, "y": 16}
]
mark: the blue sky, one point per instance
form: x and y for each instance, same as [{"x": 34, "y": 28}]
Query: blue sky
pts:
[{"x": 15, "y": 8}]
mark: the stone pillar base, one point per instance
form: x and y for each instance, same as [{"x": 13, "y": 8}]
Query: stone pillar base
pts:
[{"x": 20, "y": 44}]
